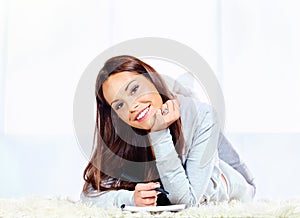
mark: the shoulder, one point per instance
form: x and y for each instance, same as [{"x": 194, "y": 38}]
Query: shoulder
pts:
[
  {"x": 196, "y": 118},
  {"x": 193, "y": 109},
  {"x": 195, "y": 115}
]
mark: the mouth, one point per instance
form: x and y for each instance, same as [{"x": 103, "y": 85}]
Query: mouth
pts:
[{"x": 141, "y": 116}]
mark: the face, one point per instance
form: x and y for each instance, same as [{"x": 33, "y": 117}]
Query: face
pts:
[{"x": 133, "y": 97}]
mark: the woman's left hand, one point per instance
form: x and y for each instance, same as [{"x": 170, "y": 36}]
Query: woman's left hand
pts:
[{"x": 168, "y": 114}]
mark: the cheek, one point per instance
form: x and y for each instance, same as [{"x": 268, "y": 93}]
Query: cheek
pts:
[
  {"x": 151, "y": 95},
  {"x": 157, "y": 100}
]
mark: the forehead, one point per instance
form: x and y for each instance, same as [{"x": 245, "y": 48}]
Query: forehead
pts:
[{"x": 117, "y": 82}]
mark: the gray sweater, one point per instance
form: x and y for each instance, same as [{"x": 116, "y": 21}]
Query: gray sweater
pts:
[{"x": 197, "y": 175}]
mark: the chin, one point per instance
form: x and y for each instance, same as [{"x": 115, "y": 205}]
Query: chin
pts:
[{"x": 145, "y": 126}]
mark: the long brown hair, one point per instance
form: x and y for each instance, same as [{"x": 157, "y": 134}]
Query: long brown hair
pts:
[{"x": 123, "y": 155}]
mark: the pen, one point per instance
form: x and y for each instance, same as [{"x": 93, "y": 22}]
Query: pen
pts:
[{"x": 162, "y": 191}]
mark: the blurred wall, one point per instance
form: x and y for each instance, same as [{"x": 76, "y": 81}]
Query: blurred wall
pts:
[{"x": 252, "y": 46}]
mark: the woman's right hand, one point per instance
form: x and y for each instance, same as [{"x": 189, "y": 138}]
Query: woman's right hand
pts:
[
  {"x": 145, "y": 195},
  {"x": 163, "y": 120}
]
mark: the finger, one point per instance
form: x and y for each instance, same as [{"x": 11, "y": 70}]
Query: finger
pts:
[
  {"x": 149, "y": 201},
  {"x": 164, "y": 109},
  {"x": 170, "y": 105},
  {"x": 148, "y": 194},
  {"x": 164, "y": 106},
  {"x": 176, "y": 99},
  {"x": 146, "y": 186},
  {"x": 159, "y": 119},
  {"x": 176, "y": 102},
  {"x": 176, "y": 106}
]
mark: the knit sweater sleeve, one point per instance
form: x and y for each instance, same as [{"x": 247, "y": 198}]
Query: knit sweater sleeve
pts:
[
  {"x": 188, "y": 184},
  {"x": 107, "y": 199}
]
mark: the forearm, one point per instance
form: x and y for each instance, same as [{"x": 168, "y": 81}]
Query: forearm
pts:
[
  {"x": 171, "y": 171},
  {"x": 108, "y": 199},
  {"x": 188, "y": 184}
]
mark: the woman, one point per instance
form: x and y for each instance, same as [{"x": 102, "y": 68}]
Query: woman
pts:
[{"x": 146, "y": 137}]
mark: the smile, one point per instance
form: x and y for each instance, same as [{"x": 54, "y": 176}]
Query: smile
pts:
[{"x": 143, "y": 114}]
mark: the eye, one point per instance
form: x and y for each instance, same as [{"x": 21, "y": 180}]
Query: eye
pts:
[
  {"x": 119, "y": 106},
  {"x": 134, "y": 89}
]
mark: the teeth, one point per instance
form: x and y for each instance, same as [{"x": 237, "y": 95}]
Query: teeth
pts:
[{"x": 142, "y": 114}]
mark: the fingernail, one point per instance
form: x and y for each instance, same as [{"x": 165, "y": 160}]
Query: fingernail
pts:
[{"x": 156, "y": 186}]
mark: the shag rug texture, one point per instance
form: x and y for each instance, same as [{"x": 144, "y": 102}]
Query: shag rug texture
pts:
[{"x": 41, "y": 206}]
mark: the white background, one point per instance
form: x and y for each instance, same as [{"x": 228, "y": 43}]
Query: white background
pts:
[{"x": 252, "y": 46}]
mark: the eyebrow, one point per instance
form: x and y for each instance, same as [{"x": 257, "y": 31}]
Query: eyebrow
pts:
[{"x": 126, "y": 88}]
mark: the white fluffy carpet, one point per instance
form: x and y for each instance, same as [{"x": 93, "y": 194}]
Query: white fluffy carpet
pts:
[{"x": 65, "y": 207}]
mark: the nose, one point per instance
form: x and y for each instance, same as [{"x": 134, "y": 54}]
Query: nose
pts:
[{"x": 134, "y": 106}]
